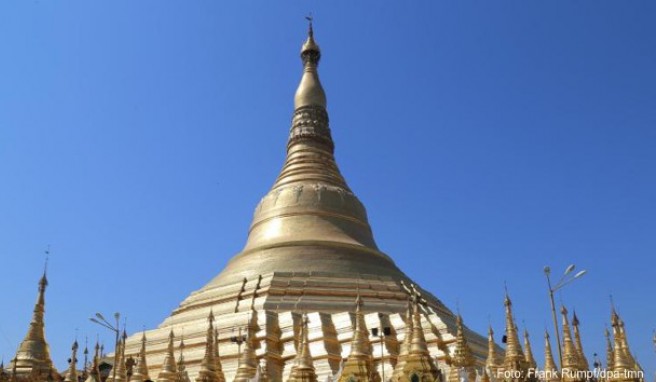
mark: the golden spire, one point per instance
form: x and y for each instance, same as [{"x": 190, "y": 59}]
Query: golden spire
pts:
[
  {"x": 207, "y": 372},
  {"x": 119, "y": 361},
  {"x": 621, "y": 364},
  {"x": 217, "y": 357},
  {"x": 310, "y": 92},
  {"x": 310, "y": 219},
  {"x": 584, "y": 365},
  {"x": 71, "y": 375},
  {"x": 405, "y": 345},
  {"x": 33, "y": 355},
  {"x": 528, "y": 352},
  {"x": 514, "y": 360},
  {"x": 462, "y": 358},
  {"x": 610, "y": 354},
  {"x": 94, "y": 372},
  {"x": 247, "y": 365},
  {"x": 169, "y": 371},
  {"x": 550, "y": 369},
  {"x": 419, "y": 363},
  {"x": 303, "y": 369},
  {"x": 570, "y": 355},
  {"x": 625, "y": 348},
  {"x": 141, "y": 372},
  {"x": 358, "y": 365},
  {"x": 183, "y": 376},
  {"x": 492, "y": 361}
]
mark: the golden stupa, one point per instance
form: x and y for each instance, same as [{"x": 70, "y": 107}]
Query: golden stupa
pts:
[{"x": 289, "y": 297}]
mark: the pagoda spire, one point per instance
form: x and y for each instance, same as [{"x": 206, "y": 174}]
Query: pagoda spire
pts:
[
  {"x": 550, "y": 369},
  {"x": 119, "y": 361},
  {"x": 183, "y": 376},
  {"x": 94, "y": 372},
  {"x": 33, "y": 355},
  {"x": 462, "y": 360},
  {"x": 578, "y": 345},
  {"x": 169, "y": 371},
  {"x": 71, "y": 375},
  {"x": 621, "y": 365},
  {"x": 310, "y": 136},
  {"x": 492, "y": 361},
  {"x": 514, "y": 360},
  {"x": 530, "y": 360},
  {"x": 247, "y": 364},
  {"x": 419, "y": 363},
  {"x": 207, "y": 372},
  {"x": 571, "y": 362},
  {"x": 626, "y": 349},
  {"x": 358, "y": 365},
  {"x": 141, "y": 372},
  {"x": 303, "y": 369},
  {"x": 405, "y": 345},
  {"x": 610, "y": 354},
  {"x": 217, "y": 357},
  {"x": 310, "y": 92}
]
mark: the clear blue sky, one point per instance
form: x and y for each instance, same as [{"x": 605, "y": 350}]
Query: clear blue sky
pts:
[{"x": 487, "y": 139}]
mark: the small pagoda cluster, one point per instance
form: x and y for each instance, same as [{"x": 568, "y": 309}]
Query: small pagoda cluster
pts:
[
  {"x": 413, "y": 362},
  {"x": 519, "y": 365}
]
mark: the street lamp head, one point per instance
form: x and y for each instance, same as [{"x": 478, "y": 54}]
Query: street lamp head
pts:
[
  {"x": 117, "y": 315},
  {"x": 570, "y": 269},
  {"x": 547, "y": 270},
  {"x": 100, "y": 316},
  {"x": 581, "y": 273}
]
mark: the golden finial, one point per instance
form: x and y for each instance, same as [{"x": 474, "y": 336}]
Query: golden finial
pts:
[
  {"x": 169, "y": 370},
  {"x": 514, "y": 360},
  {"x": 183, "y": 376},
  {"x": 550, "y": 369},
  {"x": 141, "y": 372},
  {"x": 626, "y": 349},
  {"x": 405, "y": 345},
  {"x": 570, "y": 356},
  {"x": 492, "y": 361},
  {"x": 528, "y": 352},
  {"x": 121, "y": 369},
  {"x": 94, "y": 374},
  {"x": 578, "y": 345},
  {"x": 310, "y": 92},
  {"x": 610, "y": 355},
  {"x": 358, "y": 365},
  {"x": 303, "y": 369},
  {"x": 207, "y": 372},
  {"x": 418, "y": 361},
  {"x": 462, "y": 359},
  {"x": 247, "y": 364},
  {"x": 71, "y": 375},
  {"x": 217, "y": 357}
]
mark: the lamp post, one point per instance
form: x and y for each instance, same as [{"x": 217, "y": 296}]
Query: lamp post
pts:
[
  {"x": 381, "y": 333},
  {"x": 238, "y": 339},
  {"x": 100, "y": 320},
  {"x": 564, "y": 280}
]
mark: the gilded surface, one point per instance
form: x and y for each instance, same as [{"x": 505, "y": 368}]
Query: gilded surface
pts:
[{"x": 310, "y": 249}]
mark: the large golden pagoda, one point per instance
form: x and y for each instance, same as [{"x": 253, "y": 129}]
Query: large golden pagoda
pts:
[{"x": 310, "y": 252}]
